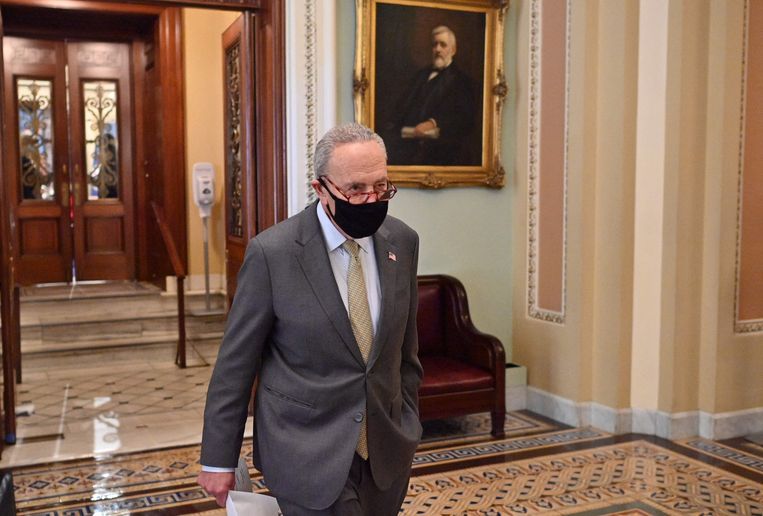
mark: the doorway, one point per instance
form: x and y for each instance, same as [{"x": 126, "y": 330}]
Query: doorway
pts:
[
  {"x": 69, "y": 161},
  {"x": 153, "y": 31}
]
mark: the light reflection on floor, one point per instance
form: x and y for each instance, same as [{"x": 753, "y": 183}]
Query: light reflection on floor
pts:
[{"x": 110, "y": 401}]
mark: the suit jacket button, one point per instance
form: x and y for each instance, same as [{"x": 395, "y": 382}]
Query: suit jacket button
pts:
[{"x": 358, "y": 417}]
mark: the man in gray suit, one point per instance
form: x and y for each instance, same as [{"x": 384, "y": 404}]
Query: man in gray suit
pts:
[{"x": 326, "y": 306}]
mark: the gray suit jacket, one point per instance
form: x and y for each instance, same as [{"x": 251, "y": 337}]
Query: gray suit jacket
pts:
[{"x": 313, "y": 385}]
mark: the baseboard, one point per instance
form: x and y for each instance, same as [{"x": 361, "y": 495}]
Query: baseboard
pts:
[
  {"x": 678, "y": 425},
  {"x": 726, "y": 425},
  {"x": 516, "y": 397}
]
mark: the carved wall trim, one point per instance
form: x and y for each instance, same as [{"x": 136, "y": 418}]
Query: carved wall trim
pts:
[
  {"x": 93, "y": 57},
  {"x": 33, "y": 55},
  {"x": 311, "y": 91},
  {"x": 311, "y": 65},
  {"x": 755, "y": 325},
  {"x": 533, "y": 179}
]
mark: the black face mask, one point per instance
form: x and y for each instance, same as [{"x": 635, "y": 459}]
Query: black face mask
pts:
[{"x": 357, "y": 220}]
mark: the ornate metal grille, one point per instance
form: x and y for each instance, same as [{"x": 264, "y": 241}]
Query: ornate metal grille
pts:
[
  {"x": 233, "y": 137},
  {"x": 35, "y": 111},
  {"x": 101, "y": 139}
]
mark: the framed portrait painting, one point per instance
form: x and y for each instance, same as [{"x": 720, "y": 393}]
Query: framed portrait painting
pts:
[{"x": 429, "y": 80}]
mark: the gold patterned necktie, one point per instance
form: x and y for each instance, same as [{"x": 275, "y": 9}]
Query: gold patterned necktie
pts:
[{"x": 360, "y": 319}]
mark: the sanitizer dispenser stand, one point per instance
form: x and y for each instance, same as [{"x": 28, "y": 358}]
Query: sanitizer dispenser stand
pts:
[{"x": 204, "y": 197}]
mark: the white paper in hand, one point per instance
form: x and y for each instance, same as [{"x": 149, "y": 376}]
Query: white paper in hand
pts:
[{"x": 251, "y": 504}]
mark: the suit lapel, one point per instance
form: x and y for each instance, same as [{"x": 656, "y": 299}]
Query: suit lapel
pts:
[
  {"x": 387, "y": 266},
  {"x": 314, "y": 260}
]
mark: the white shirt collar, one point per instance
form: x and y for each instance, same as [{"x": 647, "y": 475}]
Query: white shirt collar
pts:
[{"x": 331, "y": 234}]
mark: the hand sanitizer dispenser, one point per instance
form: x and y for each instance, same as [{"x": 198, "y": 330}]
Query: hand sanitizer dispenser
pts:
[
  {"x": 204, "y": 197},
  {"x": 204, "y": 188}
]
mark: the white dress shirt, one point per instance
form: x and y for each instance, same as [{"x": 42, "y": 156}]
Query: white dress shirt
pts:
[{"x": 340, "y": 265}]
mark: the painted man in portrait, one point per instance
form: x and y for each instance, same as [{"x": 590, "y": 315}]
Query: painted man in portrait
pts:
[{"x": 435, "y": 116}]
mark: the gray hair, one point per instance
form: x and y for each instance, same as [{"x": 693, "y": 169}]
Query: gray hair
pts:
[
  {"x": 444, "y": 28},
  {"x": 340, "y": 135}
]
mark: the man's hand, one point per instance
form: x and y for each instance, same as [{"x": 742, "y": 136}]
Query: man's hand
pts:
[
  {"x": 217, "y": 484},
  {"x": 422, "y": 128}
]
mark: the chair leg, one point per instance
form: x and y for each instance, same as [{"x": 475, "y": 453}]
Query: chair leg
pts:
[{"x": 498, "y": 418}]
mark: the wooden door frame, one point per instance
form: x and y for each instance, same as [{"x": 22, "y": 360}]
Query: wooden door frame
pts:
[
  {"x": 7, "y": 285},
  {"x": 166, "y": 37},
  {"x": 268, "y": 177},
  {"x": 269, "y": 117}
]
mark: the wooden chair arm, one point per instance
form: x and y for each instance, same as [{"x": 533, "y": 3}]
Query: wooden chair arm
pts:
[
  {"x": 462, "y": 339},
  {"x": 485, "y": 351}
]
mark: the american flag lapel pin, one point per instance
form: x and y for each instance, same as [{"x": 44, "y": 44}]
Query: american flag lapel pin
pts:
[{"x": 391, "y": 256}]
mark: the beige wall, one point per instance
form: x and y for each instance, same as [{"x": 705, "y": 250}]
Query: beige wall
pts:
[
  {"x": 691, "y": 99},
  {"x": 587, "y": 357},
  {"x": 202, "y": 46},
  {"x": 699, "y": 362},
  {"x": 606, "y": 222}
]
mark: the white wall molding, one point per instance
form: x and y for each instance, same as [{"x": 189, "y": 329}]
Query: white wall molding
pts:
[
  {"x": 726, "y": 425},
  {"x": 606, "y": 418},
  {"x": 553, "y": 406},
  {"x": 310, "y": 90},
  {"x": 678, "y": 425},
  {"x": 533, "y": 160},
  {"x": 516, "y": 397}
]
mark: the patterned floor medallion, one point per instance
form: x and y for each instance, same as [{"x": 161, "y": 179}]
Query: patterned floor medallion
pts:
[{"x": 658, "y": 480}]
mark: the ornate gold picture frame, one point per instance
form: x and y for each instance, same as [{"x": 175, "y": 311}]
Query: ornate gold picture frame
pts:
[{"x": 429, "y": 79}]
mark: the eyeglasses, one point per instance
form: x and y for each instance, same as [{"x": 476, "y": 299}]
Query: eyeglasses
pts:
[{"x": 363, "y": 197}]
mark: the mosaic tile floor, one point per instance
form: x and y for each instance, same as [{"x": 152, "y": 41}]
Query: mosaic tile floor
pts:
[
  {"x": 562, "y": 471},
  {"x": 164, "y": 480},
  {"x": 113, "y": 407},
  {"x": 629, "y": 478},
  {"x": 129, "y": 392}
]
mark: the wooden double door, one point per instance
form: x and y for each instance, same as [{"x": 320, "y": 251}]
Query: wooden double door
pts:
[{"x": 68, "y": 159}]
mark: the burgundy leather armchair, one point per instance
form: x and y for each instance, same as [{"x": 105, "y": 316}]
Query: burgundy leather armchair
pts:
[{"x": 463, "y": 368}]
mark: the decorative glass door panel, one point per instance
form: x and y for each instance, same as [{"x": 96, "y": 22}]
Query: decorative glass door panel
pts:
[
  {"x": 101, "y": 139},
  {"x": 67, "y": 166},
  {"x": 240, "y": 223},
  {"x": 233, "y": 138},
  {"x": 35, "y": 116}
]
